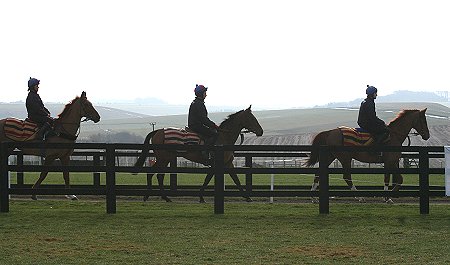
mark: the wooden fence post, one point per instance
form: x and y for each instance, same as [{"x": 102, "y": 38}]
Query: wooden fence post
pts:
[
  {"x": 4, "y": 180},
  {"x": 173, "y": 176},
  {"x": 248, "y": 176},
  {"x": 96, "y": 175},
  {"x": 20, "y": 175},
  {"x": 324, "y": 193},
  {"x": 110, "y": 180},
  {"x": 424, "y": 181},
  {"x": 219, "y": 192}
]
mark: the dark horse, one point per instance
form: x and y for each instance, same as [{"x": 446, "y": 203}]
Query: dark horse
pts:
[
  {"x": 66, "y": 127},
  {"x": 229, "y": 131},
  {"x": 399, "y": 129}
]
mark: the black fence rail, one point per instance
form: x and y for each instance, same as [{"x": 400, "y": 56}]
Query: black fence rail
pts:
[{"x": 104, "y": 161}]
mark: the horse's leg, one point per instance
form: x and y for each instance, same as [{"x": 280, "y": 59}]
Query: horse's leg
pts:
[
  {"x": 205, "y": 184},
  {"x": 391, "y": 162},
  {"x": 236, "y": 181},
  {"x": 386, "y": 188},
  {"x": 48, "y": 161},
  {"x": 315, "y": 184},
  {"x": 149, "y": 185},
  {"x": 65, "y": 162},
  {"x": 397, "y": 181},
  {"x": 160, "y": 176},
  {"x": 346, "y": 165}
]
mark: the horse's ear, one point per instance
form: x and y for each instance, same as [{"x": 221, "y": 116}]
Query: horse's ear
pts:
[
  {"x": 249, "y": 108},
  {"x": 83, "y": 94}
]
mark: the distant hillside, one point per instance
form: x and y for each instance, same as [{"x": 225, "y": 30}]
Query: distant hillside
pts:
[
  {"x": 291, "y": 126},
  {"x": 397, "y": 96},
  {"x": 18, "y": 110}
]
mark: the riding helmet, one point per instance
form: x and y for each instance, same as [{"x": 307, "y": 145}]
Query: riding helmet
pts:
[
  {"x": 370, "y": 90},
  {"x": 199, "y": 90},
  {"x": 32, "y": 82}
]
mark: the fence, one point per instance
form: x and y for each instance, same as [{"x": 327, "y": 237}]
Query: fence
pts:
[{"x": 109, "y": 153}]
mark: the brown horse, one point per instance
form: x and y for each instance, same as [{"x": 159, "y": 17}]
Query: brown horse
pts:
[
  {"x": 399, "y": 129},
  {"x": 229, "y": 131},
  {"x": 66, "y": 127}
]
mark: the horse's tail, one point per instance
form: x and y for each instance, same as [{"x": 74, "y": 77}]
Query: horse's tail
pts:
[
  {"x": 319, "y": 139},
  {"x": 145, "y": 149}
]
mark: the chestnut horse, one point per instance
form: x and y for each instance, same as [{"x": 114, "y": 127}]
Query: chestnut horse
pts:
[
  {"x": 399, "y": 128},
  {"x": 66, "y": 127},
  {"x": 229, "y": 131}
]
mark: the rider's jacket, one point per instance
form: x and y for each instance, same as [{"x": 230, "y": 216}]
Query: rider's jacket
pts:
[
  {"x": 37, "y": 112},
  {"x": 367, "y": 117},
  {"x": 198, "y": 115}
]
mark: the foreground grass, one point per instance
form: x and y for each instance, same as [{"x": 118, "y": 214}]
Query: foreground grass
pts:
[{"x": 65, "y": 232}]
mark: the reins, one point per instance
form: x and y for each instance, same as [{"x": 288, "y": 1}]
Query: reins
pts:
[
  {"x": 64, "y": 134},
  {"x": 241, "y": 134},
  {"x": 411, "y": 134}
]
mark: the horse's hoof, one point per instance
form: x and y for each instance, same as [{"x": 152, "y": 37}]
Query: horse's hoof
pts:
[
  {"x": 389, "y": 201},
  {"x": 202, "y": 200},
  {"x": 361, "y": 200},
  {"x": 145, "y": 198},
  {"x": 34, "y": 197},
  {"x": 314, "y": 200},
  {"x": 72, "y": 197},
  {"x": 248, "y": 199},
  {"x": 166, "y": 199}
]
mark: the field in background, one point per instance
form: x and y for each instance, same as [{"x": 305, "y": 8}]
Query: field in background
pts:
[{"x": 289, "y": 126}]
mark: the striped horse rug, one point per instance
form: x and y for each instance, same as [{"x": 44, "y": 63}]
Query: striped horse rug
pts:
[
  {"x": 353, "y": 137},
  {"x": 20, "y": 130},
  {"x": 181, "y": 136}
]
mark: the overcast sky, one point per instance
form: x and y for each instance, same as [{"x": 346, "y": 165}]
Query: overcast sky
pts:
[{"x": 266, "y": 53}]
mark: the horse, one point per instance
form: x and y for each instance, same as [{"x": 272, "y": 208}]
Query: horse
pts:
[
  {"x": 229, "y": 130},
  {"x": 399, "y": 129},
  {"x": 66, "y": 127}
]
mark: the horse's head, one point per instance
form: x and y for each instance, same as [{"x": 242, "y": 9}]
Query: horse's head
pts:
[
  {"x": 420, "y": 124},
  {"x": 87, "y": 109},
  {"x": 249, "y": 122}
]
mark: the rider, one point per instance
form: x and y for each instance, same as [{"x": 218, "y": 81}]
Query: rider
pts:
[
  {"x": 37, "y": 112},
  {"x": 368, "y": 120},
  {"x": 198, "y": 119}
]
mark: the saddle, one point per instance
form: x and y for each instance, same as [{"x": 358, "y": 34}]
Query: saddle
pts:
[
  {"x": 182, "y": 136},
  {"x": 355, "y": 136},
  {"x": 20, "y": 130}
]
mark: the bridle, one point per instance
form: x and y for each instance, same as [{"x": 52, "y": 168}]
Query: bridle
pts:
[{"x": 64, "y": 133}]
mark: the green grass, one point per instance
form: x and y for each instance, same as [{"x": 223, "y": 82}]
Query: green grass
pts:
[
  {"x": 259, "y": 179},
  {"x": 66, "y": 232}
]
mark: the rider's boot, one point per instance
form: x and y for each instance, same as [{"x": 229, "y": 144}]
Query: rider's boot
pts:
[{"x": 43, "y": 131}]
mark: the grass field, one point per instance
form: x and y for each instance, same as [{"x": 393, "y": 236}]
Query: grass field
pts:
[
  {"x": 80, "y": 232},
  {"x": 258, "y": 179}
]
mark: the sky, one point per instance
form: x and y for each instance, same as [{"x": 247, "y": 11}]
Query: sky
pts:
[{"x": 274, "y": 54}]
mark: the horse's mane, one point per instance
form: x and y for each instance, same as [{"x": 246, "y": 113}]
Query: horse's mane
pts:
[
  {"x": 229, "y": 118},
  {"x": 402, "y": 114},
  {"x": 67, "y": 107}
]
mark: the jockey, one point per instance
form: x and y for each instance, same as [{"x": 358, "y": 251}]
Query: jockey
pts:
[
  {"x": 198, "y": 120},
  {"x": 37, "y": 112},
  {"x": 368, "y": 120}
]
